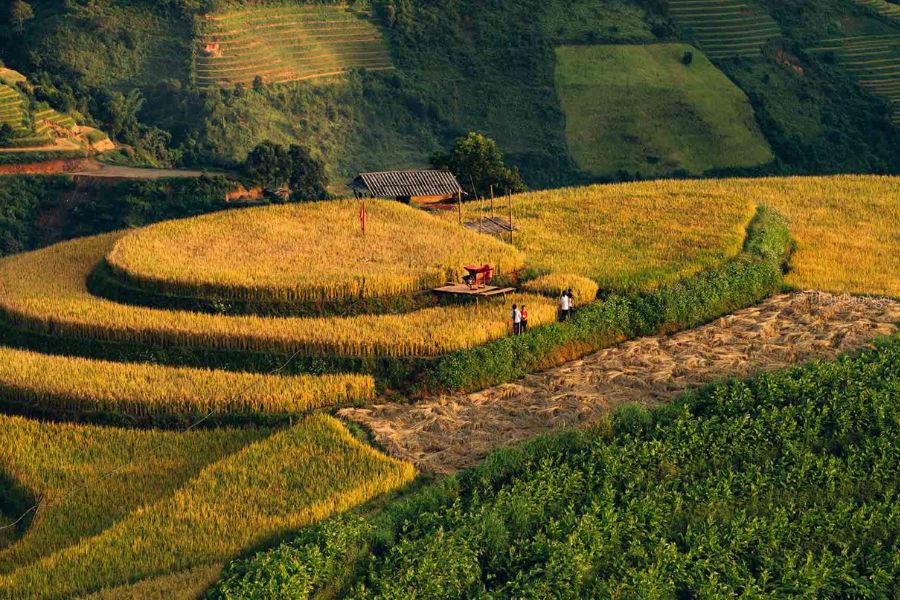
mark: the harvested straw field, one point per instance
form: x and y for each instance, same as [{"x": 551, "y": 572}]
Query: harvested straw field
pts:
[
  {"x": 45, "y": 291},
  {"x": 305, "y": 252},
  {"x": 454, "y": 432}
]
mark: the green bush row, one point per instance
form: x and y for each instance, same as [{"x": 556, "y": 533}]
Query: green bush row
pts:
[
  {"x": 783, "y": 486},
  {"x": 753, "y": 275}
]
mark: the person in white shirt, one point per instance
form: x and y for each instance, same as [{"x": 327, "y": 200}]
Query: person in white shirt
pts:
[
  {"x": 564, "y": 306},
  {"x": 516, "y": 319}
]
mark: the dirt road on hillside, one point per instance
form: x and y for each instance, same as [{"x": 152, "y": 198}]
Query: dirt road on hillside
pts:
[
  {"x": 449, "y": 433},
  {"x": 88, "y": 167}
]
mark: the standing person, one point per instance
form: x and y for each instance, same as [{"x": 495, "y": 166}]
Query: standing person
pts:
[
  {"x": 516, "y": 319},
  {"x": 523, "y": 326},
  {"x": 564, "y": 306},
  {"x": 571, "y": 301}
]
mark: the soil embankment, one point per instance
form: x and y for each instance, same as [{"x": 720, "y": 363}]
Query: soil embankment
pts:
[{"x": 449, "y": 433}]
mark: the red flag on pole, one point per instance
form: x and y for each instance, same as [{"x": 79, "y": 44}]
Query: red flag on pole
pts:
[{"x": 362, "y": 215}]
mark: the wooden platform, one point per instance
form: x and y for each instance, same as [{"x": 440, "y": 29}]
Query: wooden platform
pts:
[
  {"x": 461, "y": 289},
  {"x": 490, "y": 225}
]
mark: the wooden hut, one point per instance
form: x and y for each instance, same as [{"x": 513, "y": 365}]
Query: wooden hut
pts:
[{"x": 422, "y": 187}]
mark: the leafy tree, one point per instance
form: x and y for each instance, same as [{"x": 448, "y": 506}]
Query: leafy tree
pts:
[
  {"x": 271, "y": 165},
  {"x": 122, "y": 112},
  {"x": 266, "y": 164},
  {"x": 477, "y": 159},
  {"x": 6, "y": 133},
  {"x": 20, "y": 11},
  {"x": 308, "y": 180}
]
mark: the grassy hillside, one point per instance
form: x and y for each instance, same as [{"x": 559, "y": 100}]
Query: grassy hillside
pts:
[{"x": 641, "y": 110}]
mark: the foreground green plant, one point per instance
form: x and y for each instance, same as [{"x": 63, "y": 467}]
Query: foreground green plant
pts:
[{"x": 783, "y": 486}]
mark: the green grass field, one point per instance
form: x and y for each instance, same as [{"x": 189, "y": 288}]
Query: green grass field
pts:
[{"x": 639, "y": 109}]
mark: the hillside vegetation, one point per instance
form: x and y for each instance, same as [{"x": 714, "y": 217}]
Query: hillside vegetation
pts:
[
  {"x": 640, "y": 109},
  {"x": 29, "y": 127},
  {"x": 458, "y": 67}
]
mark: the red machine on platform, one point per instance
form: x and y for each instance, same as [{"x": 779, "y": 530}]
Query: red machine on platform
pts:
[{"x": 479, "y": 276}]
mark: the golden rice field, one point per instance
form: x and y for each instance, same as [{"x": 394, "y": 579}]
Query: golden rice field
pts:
[
  {"x": 305, "y": 252},
  {"x": 153, "y": 523},
  {"x": 84, "y": 385},
  {"x": 847, "y": 230},
  {"x": 631, "y": 237},
  {"x": 45, "y": 292},
  {"x": 554, "y": 284},
  {"x": 637, "y": 236},
  {"x": 186, "y": 585},
  {"x": 51, "y": 460}
]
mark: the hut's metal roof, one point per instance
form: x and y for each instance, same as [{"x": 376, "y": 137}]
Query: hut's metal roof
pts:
[{"x": 395, "y": 184}]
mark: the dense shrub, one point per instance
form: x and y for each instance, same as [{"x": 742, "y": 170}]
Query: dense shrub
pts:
[
  {"x": 37, "y": 210},
  {"x": 784, "y": 486}
]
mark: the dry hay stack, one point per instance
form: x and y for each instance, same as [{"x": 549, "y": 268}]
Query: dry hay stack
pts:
[{"x": 453, "y": 432}]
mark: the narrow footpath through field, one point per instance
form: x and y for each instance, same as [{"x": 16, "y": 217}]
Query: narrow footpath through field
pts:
[{"x": 453, "y": 432}]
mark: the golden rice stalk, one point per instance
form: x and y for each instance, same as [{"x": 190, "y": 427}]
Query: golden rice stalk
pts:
[
  {"x": 304, "y": 252},
  {"x": 292, "y": 479},
  {"x": 631, "y": 237},
  {"x": 45, "y": 292},
  {"x": 79, "y": 384},
  {"x": 554, "y": 284},
  {"x": 53, "y": 460}
]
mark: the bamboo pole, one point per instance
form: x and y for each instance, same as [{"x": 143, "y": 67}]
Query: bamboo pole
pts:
[
  {"x": 475, "y": 193},
  {"x": 509, "y": 198},
  {"x": 492, "y": 201}
]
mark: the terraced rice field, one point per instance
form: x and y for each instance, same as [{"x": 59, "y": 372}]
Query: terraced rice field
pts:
[
  {"x": 44, "y": 129},
  {"x": 882, "y": 7},
  {"x": 11, "y": 107},
  {"x": 874, "y": 60},
  {"x": 289, "y": 43},
  {"x": 725, "y": 28},
  {"x": 185, "y": 501}
]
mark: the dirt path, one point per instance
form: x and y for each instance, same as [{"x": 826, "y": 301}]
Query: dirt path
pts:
[
  {"x": 88, "y": 167},
  {"x": 453, "y": 432}
]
